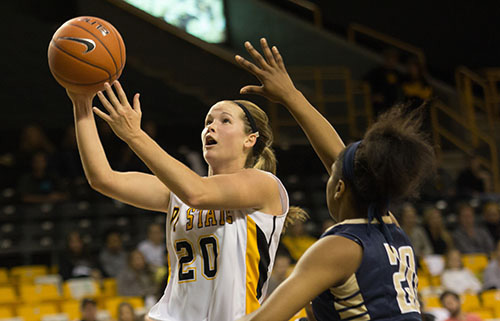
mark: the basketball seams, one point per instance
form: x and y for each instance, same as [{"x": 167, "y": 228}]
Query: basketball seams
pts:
[
  {"x": 120, "y": 42},
  {"x": 102, "y": 43},
  {"x": 52, "y": 42}
]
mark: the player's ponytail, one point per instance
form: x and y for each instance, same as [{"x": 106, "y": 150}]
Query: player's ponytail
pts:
[
  {"x": 263, "y": 157},
  {"x": 393, "y": 159},
  {"x": 266, "y": 160}
]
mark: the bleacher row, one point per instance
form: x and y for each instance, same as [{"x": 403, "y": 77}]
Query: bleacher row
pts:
[
  {"x": 36, "y": 293},
  {"x": 485, "y": 304},
  {"x": 28, "y": 230}
]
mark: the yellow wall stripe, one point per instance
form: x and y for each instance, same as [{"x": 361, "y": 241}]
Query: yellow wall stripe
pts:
[{"x": 252, "y": 267}]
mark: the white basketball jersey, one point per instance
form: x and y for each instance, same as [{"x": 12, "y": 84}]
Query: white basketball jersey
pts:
[{"x": 220, "y": 261}]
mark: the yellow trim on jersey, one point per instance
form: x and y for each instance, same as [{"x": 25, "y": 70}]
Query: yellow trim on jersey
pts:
[
  {"x": 252, "y": 267},
  {"x": 169, "y": 269}
]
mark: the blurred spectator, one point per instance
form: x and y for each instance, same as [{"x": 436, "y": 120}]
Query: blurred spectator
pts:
[
  {"x": 89, "y": 310},
  {"x": 69, "y": 164},
  {"x": 451, "y": 302},
  {"x": 439, "y": 237},
  {"x": 161, "y": 278},
  {"x": 113, "y": 257},
  {"x": 385, "y": 82},
  {"x": 137, "y": 278},
  {"x": 491, "y": 219},
  {"x": 282, "y": 264},
  {"x": 126, "y": 312},
  {"x": 491, "y": 275},
  {"x": 468, "y": 237},
  {"x": 418, "y": 237},
  {"x": 296, "y": 240},
  {"x": 457, "y": 278},
  {"x": 153, "y": 248},
  {"x": 76, "y": 261},
  {"x": 33, "y": 139},
  {"x": 38, "y": 185},
  {"x": 416, "y": 88},
  {"x": 473, "y": 179}
]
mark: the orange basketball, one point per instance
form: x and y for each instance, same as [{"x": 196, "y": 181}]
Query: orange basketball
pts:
[{"x": 86, "y": 52}]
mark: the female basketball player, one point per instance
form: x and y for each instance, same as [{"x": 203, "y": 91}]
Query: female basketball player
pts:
[
  {"x": 222, "y": 230},
  {"x": 363, "y": 268}
]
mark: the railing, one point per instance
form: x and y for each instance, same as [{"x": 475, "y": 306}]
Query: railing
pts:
[
  {"x": 492, "y": 76},
  {"x": 315, "y": 10},
  {"x": 355, "y": 28},
  {"x": 329, "y": 89},
  {"x": 474, "y": 94},
  {"x": 441, "y": 115}
]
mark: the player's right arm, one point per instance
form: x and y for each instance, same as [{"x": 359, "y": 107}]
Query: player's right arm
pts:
[
  {"x": 134, "y": 188},
  {"x": 277, "y": 86}
]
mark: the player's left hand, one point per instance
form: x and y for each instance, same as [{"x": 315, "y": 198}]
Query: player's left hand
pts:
[
  {"x": 277, "y": 85},
  {"x": 124, "y": 119}
]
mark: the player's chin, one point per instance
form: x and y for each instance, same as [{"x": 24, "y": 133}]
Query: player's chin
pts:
[{"x": 209, "y": 155}]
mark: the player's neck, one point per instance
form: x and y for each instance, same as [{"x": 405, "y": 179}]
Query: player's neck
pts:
[
  {"x": 349, "y": 209},
  {"x": 225, "y": 167}
]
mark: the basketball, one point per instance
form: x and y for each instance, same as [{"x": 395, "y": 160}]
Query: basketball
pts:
[{"x": 86, "y": 52}]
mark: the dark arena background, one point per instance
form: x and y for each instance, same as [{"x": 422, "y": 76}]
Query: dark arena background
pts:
[{"x": 351, "y": 59}]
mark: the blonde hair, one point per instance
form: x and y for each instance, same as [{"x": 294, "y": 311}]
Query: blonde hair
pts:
[{"x": 262, "y": 155}]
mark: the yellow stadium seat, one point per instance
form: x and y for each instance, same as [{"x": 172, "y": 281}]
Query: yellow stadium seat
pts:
[
  {"x": 4, "y": 276},
  {"x": 111, "y": 304},
  {"x": 77, "y": 289},
  {"x": 432, "y": 301},
  {"x": 8, "y": 295},
  {"x": 26, "y": 274},
  {"x": 484, "y": 314},
  {"x": 470, "y": 302},
  {"x": 496, "y": 311},
  {"x": 436, "y": 280},
  {"x": 490, "y": 298},
  {"x": 72, "y": 309},
  {"x": 475, "y": 262},
  {"x": 423, "y": 268},
  {"x": 31, "y": 293},
  {"x": 36, "y": 311},
  {"x": 423, "y": 282},
  {"x": 109, "y": 287},
  {"x": 6, "y": 312}
]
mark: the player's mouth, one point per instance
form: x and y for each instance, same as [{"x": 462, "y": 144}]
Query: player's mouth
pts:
[{"x": 210, "y": 141}]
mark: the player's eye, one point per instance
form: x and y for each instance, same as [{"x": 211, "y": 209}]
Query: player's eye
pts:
[
  {"x": 208, "y": 122},
  {"x": 226, "y": 120}
]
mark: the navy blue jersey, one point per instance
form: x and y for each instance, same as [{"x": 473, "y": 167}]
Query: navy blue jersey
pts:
[{"x": 385, "y": 285}]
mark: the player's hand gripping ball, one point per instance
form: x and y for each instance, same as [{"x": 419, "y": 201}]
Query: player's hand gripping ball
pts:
[{"x": 86, "y": 52}]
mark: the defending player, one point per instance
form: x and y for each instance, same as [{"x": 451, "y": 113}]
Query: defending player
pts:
[
  {"x": 222, "y": 230},
  {"x": 363, "y": 268}
]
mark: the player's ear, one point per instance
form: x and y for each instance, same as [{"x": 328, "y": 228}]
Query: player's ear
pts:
[
  {"x": 339, "y": 190},
  {"x": 251, "y": 140}
]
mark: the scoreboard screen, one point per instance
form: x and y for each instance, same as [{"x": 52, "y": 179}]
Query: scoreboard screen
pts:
[{"x": 204, "y": 19}]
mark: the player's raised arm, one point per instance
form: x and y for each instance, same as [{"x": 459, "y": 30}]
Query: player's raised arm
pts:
[
  {"x": 277, "y": 86},
  {"x": 138, "y": 189},
  {"x": 229, "y": 189}
]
